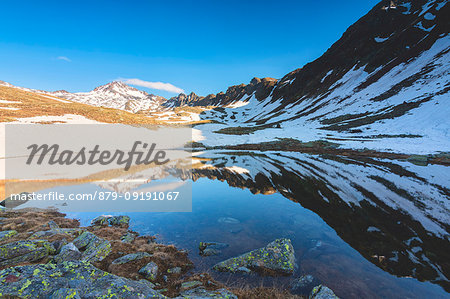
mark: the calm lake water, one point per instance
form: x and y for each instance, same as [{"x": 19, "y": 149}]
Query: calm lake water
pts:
[{"x": 366, "y": 228}]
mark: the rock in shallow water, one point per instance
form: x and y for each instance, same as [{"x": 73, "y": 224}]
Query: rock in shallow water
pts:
[
  {"x": 304, "y": 285},
  {"x": 45, "y": 281},
  {"x": 211, "y": 248},
  {"x": 276, "y": 258},
  {"x": 322, "y": 292},
  {"x": 228, "y": 220}
]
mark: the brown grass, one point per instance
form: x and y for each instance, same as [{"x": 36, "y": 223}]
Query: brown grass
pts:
[
  {"x": 33, "y": 104},
  {"x": 26, "y": 221}
]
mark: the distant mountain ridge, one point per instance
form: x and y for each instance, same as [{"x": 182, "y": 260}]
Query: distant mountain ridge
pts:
[
  {"x": 388, "y": 76},
  {"x": 117, "y": 95}
]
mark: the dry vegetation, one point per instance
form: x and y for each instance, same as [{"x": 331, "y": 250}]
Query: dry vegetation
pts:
[
  {"x": 27, "y": 221},
  {"x": 31, "y": 104}
]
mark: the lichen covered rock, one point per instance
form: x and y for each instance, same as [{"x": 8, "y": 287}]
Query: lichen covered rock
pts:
[
  {"x": 56, "y": 231},
  {"x": 322, "y": 292},
  {"x": 69, "y": 252},
  {"x": 7, "y": 234},
  {"x": 25, "y": 251},
  {"x": 77, "y": 277},
  {"x": 150, "y": 271},
  {"x": 190, "y": 284},
  {"x": 128, "y": 237},
  {"x": 122, "y": 221},
  {"x": 66, "y": 293},
  {"x": 304, "y": 285},
  {"x": 95, "y": 248},
  {"x": 130, "y": 257},
  {"x": 276, "y": 258},
  {"x": 100, "y": 221}
]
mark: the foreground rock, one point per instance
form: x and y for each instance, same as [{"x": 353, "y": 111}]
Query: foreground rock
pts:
[
  {"x": 77, "y": 278},
  {"x": 276, "y": 258},
  {"x": 7, "y": 234},
  {"x": 25, "y": 252},
  {"x": 69, "y": 252},
  {"x": 304, "y": 285},
  {"x": 322, "y": 292},
  {"x": 130, "y": 258},
  {"x": 201, "y": 292}
]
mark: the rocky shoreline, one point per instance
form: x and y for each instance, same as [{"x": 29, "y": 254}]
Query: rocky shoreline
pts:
[{"x": 43, "y": 254}]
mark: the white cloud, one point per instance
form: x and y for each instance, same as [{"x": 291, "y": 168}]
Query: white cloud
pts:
[
  {"x": 154, "y": 85},
  {"x": 64, "y": 58}
]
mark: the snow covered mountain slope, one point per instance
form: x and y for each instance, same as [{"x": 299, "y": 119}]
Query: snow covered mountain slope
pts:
[
  {"x": 117, "y": 95},
  {"x": 384, "y": 85}
]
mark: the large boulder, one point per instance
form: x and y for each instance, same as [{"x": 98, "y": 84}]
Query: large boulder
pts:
[
  {"x": 24, "y": 251},
  {"x": 322, "y": 292},
  {"x": 276, "y": 258},
  {"x": 77, "y": 277}
]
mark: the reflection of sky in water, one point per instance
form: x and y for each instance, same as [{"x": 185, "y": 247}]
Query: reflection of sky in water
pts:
[{"x": 263, "y": 218}]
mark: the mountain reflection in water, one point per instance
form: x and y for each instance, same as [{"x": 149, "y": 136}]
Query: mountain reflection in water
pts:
[{"x": 366, "y": 227}]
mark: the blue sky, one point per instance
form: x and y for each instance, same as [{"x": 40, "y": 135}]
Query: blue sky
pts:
[{"x": 200, "y": 46}]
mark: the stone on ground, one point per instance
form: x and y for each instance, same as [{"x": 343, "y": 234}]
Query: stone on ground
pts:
[
  {"x": 322, "y": 292},
  {"x": 69, "y": 252},
  {"x": 7, "y": 234},
  {"x": 276, "y": 258},
  {"x": 149, "y": 271},
  {"x": 130, "y": 257},
  {"x": 24, "y": 251},
  {"x": 45, "y": 280}
]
